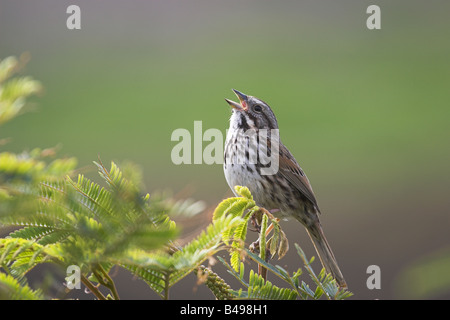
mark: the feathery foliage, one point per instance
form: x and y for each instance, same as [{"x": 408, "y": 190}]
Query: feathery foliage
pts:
[
  {"x": 14, "y": 91},
  {"x": 272, "y": 240},
  {"x": 12, "y": 289}
]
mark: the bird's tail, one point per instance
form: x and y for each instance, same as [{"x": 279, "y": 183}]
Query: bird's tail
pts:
[{"x": 325, "y": 254}]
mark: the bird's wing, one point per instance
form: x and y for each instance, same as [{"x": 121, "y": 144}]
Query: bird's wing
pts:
[{"x": 290, "y": 169}]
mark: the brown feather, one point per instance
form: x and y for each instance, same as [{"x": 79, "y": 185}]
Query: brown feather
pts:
[{"x": 291, "y": 170}]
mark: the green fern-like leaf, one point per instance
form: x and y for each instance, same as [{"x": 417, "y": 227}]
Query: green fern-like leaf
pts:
[
  {"x": 243, "y": 192},
  {"x": 161, "y": 269},
  {"x": 257, "y": 287},
  {"x": 260, "y": 289},
  {"x": 238, "y": 235},
  {"x": 155, "y": 279},
  {"x": 14, "y": 91},
  {"x": 18, "y": 256},
  {"x": 12, "y": 289},
  {"x": 42, "y": 234},
  {"x": 236, "y": 207},
  {"x": 233, "y": 206}
]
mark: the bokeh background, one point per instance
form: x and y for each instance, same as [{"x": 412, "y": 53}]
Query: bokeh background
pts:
[{"x": 365, "y": 112}]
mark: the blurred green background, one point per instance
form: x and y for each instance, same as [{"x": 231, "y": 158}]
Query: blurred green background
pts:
[{"x": 365, "y": 112}]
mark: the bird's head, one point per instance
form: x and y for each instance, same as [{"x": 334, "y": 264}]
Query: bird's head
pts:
[{"x": 251, "y": 113}]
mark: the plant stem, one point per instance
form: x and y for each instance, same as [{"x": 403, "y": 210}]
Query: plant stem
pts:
[
  {"x": 262, "y": 247},
  {"x": 92, "y": 288},
  {"x": 110, "y": 283}
]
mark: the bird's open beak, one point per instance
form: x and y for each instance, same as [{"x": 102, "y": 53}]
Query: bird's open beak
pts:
[{"x": 242, "y": 99}]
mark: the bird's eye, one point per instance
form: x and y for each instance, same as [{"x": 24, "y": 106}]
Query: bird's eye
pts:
[{"x": 257, "y": 108}]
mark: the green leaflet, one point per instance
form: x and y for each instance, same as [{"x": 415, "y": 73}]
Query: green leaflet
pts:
[
  {"x": 260, "y": 289},
  {"x": 243, "y": 192},
  {"x": 262, "y": 238},
  {"x": 79, "y": 222},
  {"x": 42, "y": 234},
  {"x": 162, "y": 270},
  {"x": 236, "y": 207},
  {"x": 14, "y": 91},
  {"x": 12, "y": 289},
  {"x": 18, "y": 256},
  {"x": 233, "y": 206},
  {"x": 257, "y": 287},
  {"x": 188, "y": 256}
]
